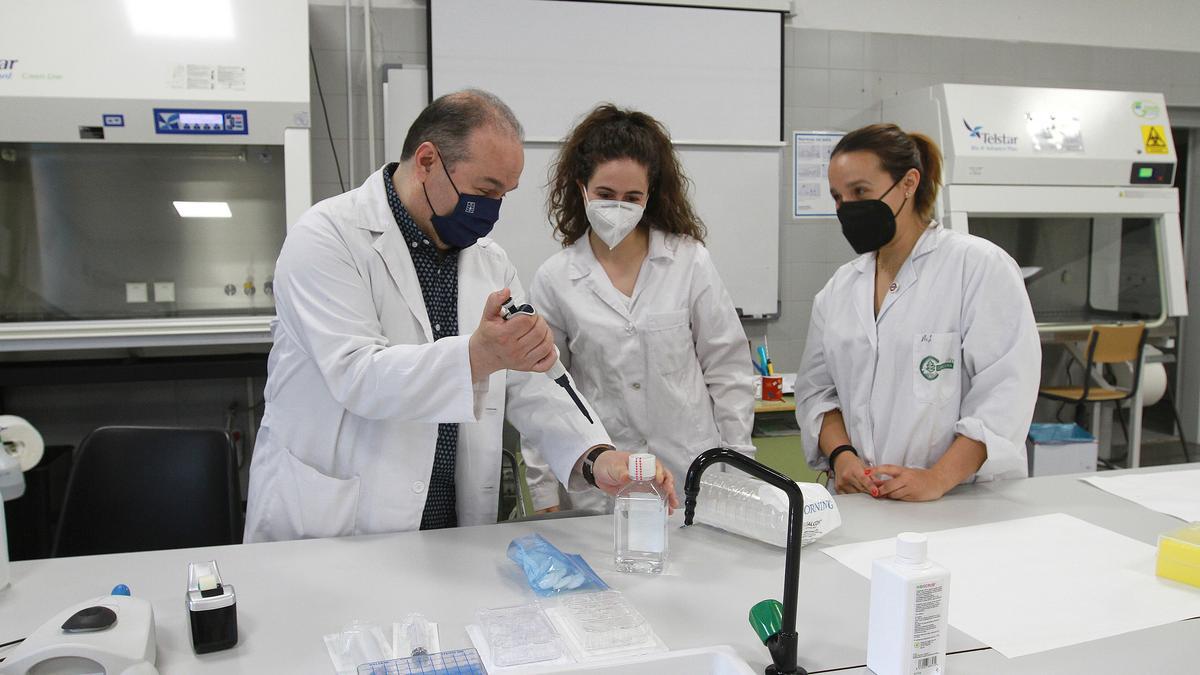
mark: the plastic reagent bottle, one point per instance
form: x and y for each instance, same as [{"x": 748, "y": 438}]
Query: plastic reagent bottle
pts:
[
  {"x": 909, "y": 604},
  {"x": 640, "y": 520}
]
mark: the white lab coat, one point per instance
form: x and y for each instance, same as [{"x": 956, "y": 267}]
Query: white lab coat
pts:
[
  {"x": 668, "y": 370},
  {"x": 356, "y": 385},
  {"x": 954, "y": 351}
]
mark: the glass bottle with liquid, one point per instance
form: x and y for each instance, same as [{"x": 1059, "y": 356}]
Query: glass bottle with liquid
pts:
[{"x": 640, "y": 520}]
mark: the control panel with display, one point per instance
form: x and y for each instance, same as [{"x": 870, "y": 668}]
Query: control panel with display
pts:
[
  {"x": 1152, "y": 173},
  {"x": 202, "y": 122}
]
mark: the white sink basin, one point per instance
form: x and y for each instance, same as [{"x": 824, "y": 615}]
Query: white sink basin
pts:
[{"x": 719, "y": 660}]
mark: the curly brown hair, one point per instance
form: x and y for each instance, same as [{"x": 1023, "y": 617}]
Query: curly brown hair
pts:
[{"x": 609, "y": 133}]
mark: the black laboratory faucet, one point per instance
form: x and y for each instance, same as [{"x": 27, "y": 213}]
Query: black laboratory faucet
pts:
[{"x": 782, "y": 645}]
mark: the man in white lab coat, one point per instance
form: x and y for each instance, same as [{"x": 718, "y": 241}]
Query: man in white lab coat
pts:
[{"x": 392, "y": 368}]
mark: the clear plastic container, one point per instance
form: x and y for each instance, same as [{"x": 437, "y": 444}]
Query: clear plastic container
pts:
[
  {"x": 640, "y": 520},
  {"x": 519, "y": 635},
  {"x": 606, "y": 621},
  {"x": 743, "y": 505}
]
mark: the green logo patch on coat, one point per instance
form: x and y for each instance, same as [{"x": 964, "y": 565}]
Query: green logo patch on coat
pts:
[{"x": 930, "y": 368}]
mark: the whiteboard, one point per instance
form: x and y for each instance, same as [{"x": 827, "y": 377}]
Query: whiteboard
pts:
[
  {"x": 743, "y": 231},
  {"x": 708, "y": 74},
  {"x": 712, "y": 76}
]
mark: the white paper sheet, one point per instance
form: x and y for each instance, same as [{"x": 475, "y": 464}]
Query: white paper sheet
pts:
[
  {"x": 1035, "y": 584},
  {"x": 1175, "y": 493}
]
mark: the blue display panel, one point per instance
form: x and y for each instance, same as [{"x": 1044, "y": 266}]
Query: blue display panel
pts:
[{"x": 200, "y": 122}]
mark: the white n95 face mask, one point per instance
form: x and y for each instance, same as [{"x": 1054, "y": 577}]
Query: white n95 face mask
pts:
[{"x": 613, "y": 220}]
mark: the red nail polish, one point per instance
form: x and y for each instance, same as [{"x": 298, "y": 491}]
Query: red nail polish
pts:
[{"x": 874, "y": 492}]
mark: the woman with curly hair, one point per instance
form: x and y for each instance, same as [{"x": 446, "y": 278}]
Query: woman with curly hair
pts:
[{"x": 640, "y": 316}]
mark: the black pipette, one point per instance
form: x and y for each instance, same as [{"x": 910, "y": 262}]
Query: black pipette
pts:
[{"x": 556, "y": 372}]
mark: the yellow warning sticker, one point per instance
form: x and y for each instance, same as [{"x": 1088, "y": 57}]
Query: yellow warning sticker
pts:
[{"x": 1155, "y": 139}]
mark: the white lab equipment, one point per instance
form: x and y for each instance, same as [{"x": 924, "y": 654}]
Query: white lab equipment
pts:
[
  {"x": 910, "y": 601},
  {"x": 149, "y": 184},
  {"x": 1075, "y": 182},
  {"x": 21, "y": 448},
  {"x": 112, "y": 634},
  {"x": 744, "y": 505},
  {"x": 640, "y": 520}
]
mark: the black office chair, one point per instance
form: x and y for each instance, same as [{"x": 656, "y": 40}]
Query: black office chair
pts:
[{"x": 149, "y": 488}]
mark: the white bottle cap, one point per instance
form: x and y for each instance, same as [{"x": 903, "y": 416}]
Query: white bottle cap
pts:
[
  {"x": 912, "y": 547},
  {"x": 642, "y": 466}
]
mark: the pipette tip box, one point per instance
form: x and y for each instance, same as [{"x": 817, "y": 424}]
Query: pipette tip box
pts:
[{"x": 1179, "y": 555}]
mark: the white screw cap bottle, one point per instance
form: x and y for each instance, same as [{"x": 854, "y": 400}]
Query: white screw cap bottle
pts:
[
  {"x": 640, "y": 520},
  {"x": 906, "y": 634}
]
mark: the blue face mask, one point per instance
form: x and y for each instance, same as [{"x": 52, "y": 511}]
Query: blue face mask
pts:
[{"x": 473, "y": 217}]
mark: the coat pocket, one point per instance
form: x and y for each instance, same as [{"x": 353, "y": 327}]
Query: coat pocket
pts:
[
  {"x": 936, "y": 367},
  {"x": 313, "y": 504},
  {"x": 669, "y": 344}
]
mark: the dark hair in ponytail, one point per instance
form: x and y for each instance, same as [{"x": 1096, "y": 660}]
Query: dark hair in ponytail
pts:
[{"x": 898, "y": 152}]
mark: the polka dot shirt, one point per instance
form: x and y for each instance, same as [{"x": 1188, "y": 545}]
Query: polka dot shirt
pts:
[{"x": 437, "y": 272}]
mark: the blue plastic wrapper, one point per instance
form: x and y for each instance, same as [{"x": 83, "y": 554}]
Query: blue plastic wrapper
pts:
[
  {"x": 549, "y": 571},
  {"x": 1051, "y": 434}
]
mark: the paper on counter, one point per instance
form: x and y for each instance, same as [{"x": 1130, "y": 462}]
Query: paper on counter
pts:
[
  {"x": 1035, "y": 584},
  {"x": 789, "y": 383},
  {"x": 1175, "y": 493}
]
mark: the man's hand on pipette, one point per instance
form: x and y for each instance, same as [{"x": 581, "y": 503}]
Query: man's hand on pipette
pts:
[
  {"x": 612, "y": 473},
  {"x": 523, "y": 343}
]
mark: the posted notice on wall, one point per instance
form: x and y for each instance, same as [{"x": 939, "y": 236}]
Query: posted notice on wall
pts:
[{"x": 810, "y": 173}]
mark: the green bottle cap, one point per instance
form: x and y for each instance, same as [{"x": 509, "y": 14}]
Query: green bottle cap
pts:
[{"x": 766, "y": 618}]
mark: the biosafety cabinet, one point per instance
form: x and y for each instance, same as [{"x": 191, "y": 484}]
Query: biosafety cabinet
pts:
[
  {"x": 152, "y": 154},
  {"x": 1076, "y": 185}
]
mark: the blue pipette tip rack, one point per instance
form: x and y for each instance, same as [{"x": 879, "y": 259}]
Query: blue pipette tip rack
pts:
[{"x": 457, "y": 662}]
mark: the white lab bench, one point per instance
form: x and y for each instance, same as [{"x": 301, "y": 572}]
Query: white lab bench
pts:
[{"x": 292, "y": 593}]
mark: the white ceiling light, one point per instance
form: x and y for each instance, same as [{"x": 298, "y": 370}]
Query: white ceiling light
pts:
[{"x": 203, "y": 209}]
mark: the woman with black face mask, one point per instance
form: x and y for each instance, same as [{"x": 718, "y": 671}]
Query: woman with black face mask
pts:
[{"x": 922, "y": 361}]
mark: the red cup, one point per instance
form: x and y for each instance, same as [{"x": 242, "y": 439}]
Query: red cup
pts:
[{"x": 772, "y": 388}]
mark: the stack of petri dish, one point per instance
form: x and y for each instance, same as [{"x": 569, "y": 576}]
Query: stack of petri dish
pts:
[
  {"x": 606, "y": 622},
  {"x": 519, "y": 635}
]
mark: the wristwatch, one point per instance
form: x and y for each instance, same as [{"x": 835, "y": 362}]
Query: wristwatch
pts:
[{"x": 590, "y": 461}]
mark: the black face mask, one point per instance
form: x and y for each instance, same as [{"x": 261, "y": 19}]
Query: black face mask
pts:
[{"x": 869, "y": 224}]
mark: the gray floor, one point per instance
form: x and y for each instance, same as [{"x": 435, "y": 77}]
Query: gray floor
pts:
[{"x": 1158, "y": 447}]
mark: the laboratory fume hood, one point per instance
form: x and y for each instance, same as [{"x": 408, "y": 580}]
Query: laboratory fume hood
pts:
[
  {"x": 1076, "y": 185},
  {"x": 152, "y": 154}
]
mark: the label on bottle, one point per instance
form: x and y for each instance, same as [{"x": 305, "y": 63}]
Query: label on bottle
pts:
[
  {"x": 929, "y": 606},
  {"x": 647, "y": 531}
]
